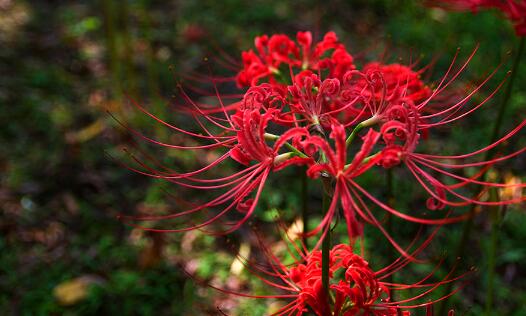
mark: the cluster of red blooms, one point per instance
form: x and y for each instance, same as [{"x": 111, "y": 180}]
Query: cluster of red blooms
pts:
[
  {"x": 326, "y": 108},
  {"x": 515, "y": 10},
  {"x": 309, "y": 105},
  {"x": 356, "y": 289}
]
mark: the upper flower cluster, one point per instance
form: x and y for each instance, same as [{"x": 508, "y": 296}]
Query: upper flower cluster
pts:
[{"x": 309, "y": 104}]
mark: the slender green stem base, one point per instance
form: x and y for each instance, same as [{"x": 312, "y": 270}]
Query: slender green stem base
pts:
[
  {"x": 326, "y": 244},
  {"x": 326, "y": 248},
  {"x": 304, "y": 210},
  {"x": 492, "y": 253},
  {"x": 389, "y": 223}
]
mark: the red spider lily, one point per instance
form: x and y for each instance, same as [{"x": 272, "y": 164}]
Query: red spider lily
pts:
[
  {"x": 394, "y": 84},
  {"x": 515, "y": 10},
  {"x": 358, "y": 291},
  {"x": 389, "y": 98},
  {"x": 422, "y": 166},
  {"x": 354, "y": 287},
  {"x": 280, "y": 50},
  {"x": 401, "y": 125},
  {"x": 315, "y": 100},
  {"x": 401, "y": 120},
  {"x": 308, "y": 101},
  {"x": 347, "y": 193},
  {"x": 382, "y": 87},
  {"x": 389, "y": 106},
  {"x": 336, "y": 167},
  {"x": 251, "y": 146}
]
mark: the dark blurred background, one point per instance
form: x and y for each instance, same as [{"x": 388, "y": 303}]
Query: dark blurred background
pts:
[{"x": 64, "y": 64}]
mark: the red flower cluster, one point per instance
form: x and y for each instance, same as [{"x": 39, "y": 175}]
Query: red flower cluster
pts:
[
  {"x": 354, "y": 287},
  {"x": 315, "y": 119},
  {"x": 515, "y": 10},
  {"x": 358, "y": 291}
]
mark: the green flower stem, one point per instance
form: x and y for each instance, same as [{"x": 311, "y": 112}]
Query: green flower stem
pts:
[
  {"x": 389, "y": 222},
  {"x": 492, "y": 253},
  {"x": 355, "y": 131},
  {"x": 370, "y": 121},
  {"x": 295, "y": 150},
  {"x": 304, "y": 207},
  {"x": 269, "y": 136},
  {"x": 326, "y": 244}
]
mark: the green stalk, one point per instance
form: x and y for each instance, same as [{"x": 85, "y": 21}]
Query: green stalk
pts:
[
  {"x": 327, "y": 193},
  {"x": 492, "y": 253},
  {"x": 389, "y": 223},
  {"x": 295, "y": 150},
  {"x": 368, "y": 122},
  {"x": 468, "y": 225},
  {"x": 326, "y": 244},
  {"x": 355, "y": 131},
  {"x": 304, "y": 215}
]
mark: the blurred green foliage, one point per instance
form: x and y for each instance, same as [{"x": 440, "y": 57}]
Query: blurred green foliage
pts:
[{"x": 63, "y": 64}]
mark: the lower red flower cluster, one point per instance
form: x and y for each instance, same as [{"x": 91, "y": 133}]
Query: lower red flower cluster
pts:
[
  {"x": 358, "y": 290},
  {"x": 354, "y": 287}
]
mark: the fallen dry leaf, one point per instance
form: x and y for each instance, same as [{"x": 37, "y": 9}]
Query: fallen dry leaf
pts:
[
  {"x": 73, "y": 291},
  {"x": 86, "y": 133}
]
